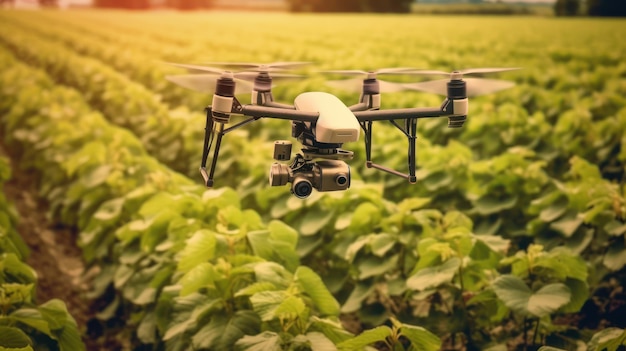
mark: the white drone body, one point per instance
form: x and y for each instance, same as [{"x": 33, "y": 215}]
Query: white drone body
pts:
[
  {"x": 336, "y": 124},
  {"x": 321, "y": 122}
]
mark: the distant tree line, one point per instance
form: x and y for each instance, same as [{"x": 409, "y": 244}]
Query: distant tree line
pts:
[
  {"x": 604, "y": 8},
  {"x": 146, "y": 4},
  {"x": 395, "y": 6}
]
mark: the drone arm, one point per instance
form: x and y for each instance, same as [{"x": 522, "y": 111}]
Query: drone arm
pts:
[
  {"x": 277, "y": 112},
  {"x": 279, "y": 105},
  {"x": 401, "y": 113}
]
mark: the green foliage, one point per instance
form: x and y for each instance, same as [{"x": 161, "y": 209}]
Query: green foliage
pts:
[
  {"x": 473, "y": 246},
  {"x": 418, "y": 338}
]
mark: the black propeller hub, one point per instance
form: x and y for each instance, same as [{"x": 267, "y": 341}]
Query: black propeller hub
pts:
[
  {"x": 225, "y": 87},
  {"x": 263, "y": 82},
  {"x": 371, "y": 86},
  {"x": 457, "y": 89}
]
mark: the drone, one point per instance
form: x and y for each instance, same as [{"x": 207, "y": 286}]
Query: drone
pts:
[{"x": 320, "y": 121}]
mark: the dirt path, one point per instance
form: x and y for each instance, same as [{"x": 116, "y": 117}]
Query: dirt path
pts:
[{"x": 54, "y": 254}]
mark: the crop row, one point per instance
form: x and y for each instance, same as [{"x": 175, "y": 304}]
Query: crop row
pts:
[
  {"x": 24, "y": 324},
  {"x": 184, "y": 258},
  {"x": 497, "y": 191},
  {"x": 580, "y": 117},
  {"x": 379, "y": 259},
  {"x": 190, "y": 267}
]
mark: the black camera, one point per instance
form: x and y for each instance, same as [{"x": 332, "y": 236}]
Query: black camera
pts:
[{"x": 323, "y": 175}]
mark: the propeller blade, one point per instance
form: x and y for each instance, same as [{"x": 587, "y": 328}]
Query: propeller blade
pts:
[
  {"x": 260, "y": 66},
  {"x": 192, "y": 68},
  {"x": 356, "y": 85},
  {"x": 465, "y": 71},
  {"x": 390, "y": 87},
  {"x": 349, "y": 72},
  {"x": 274, "y": 76},
  {"x": 475, "y": 86},
  {"x": 352, "y": 85},
  {"x": 487, "y": 70},
  {"x": 205, "y": 83}
]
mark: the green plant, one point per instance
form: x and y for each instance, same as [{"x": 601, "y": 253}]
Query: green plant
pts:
[{"x": 539, "y": 285}]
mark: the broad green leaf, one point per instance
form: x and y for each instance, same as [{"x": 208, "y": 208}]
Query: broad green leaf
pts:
[
  {"x": 319, "y": 342},
  {"x": 381, "y": 243},
  {"x": 615, "y": 257},
  {"x": 184, "y": 313},
  {"x": 11, "y": 265},
  {"x": 254, "y": 288},
  {"x": 490, "y": 203},
  {"x": 413, "y": 203},
  {"x": 273, "y": 273},
  {"x": 579, "y": 290},
  {"x": 199, "y": 248},
  {"x": 62, "y": 324},
  {"x": 555, "y": 210},
  {"x": 147, "y": 329},
  {"x": 371, "y": 266},
  {"x": 333, "y": 329},
  {"x": 609, "y": 339},
  {"x": 313, "y": 286},
  {"x": 549, "y": 299},
  {"x": 436, "y": 180},
  {"x": 292, "y": 308},
  {"x": 365, "y": 217},
  {"x": 221, "y": 198},
  {"x": 518, "y": 297},
  {"x": 223, "y": 331},
  {"x": 354, "y": 248},
  {"x": 13, "y": 338},
  {"x": 433, "y": 277},
  {"x": 55, "y": 312},
  {"x": 33, "y": 318},
  {"x": 421, "y": 339},
  {"x": 196, "y": 278},
  {"x": 110, "y": 210},
  {"x": 261, "y": 244},
  {"x": 284, "y": 233},
  {"x": 266, "y": 341},
  {"x": 315, "y": 220},
  {"x": 367, "y": 337},
  {"x": 567, "y": 225},
  {"x": 360, "y": 293},
  {"x": 69, "y": 338},
  {"x": 265, "y": 303}
]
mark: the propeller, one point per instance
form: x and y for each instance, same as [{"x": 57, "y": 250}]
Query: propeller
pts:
[
  {"x": 356, "y": 84},
  {"x": 475, "y": 86},
  {"x": 206, "y": 80},
  {"x": 467, "y": 71},
  {"x": 261, "y": 67},
  {"x": 205, "y": 83}
]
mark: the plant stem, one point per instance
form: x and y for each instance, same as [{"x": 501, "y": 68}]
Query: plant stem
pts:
[
  {"x": 525, "y": 334},
  {"x": 536, "y": 332}
]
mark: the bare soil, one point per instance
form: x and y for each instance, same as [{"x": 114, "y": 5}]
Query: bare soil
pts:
[{"x": 54, "y": 254}]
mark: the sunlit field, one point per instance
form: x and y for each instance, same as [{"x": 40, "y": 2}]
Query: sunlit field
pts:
[{"x": 512, "y": 238}]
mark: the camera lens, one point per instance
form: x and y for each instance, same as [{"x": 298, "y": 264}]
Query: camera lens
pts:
[
  {"x": 341, "y": 179},
  {"x": 302, "y": 188}
]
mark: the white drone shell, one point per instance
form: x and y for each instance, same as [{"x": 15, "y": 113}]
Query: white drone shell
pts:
[{"x": 336, "y": 123}]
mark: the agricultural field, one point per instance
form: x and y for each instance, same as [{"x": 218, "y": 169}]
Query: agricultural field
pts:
[{"x": 513, "y": 237}]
